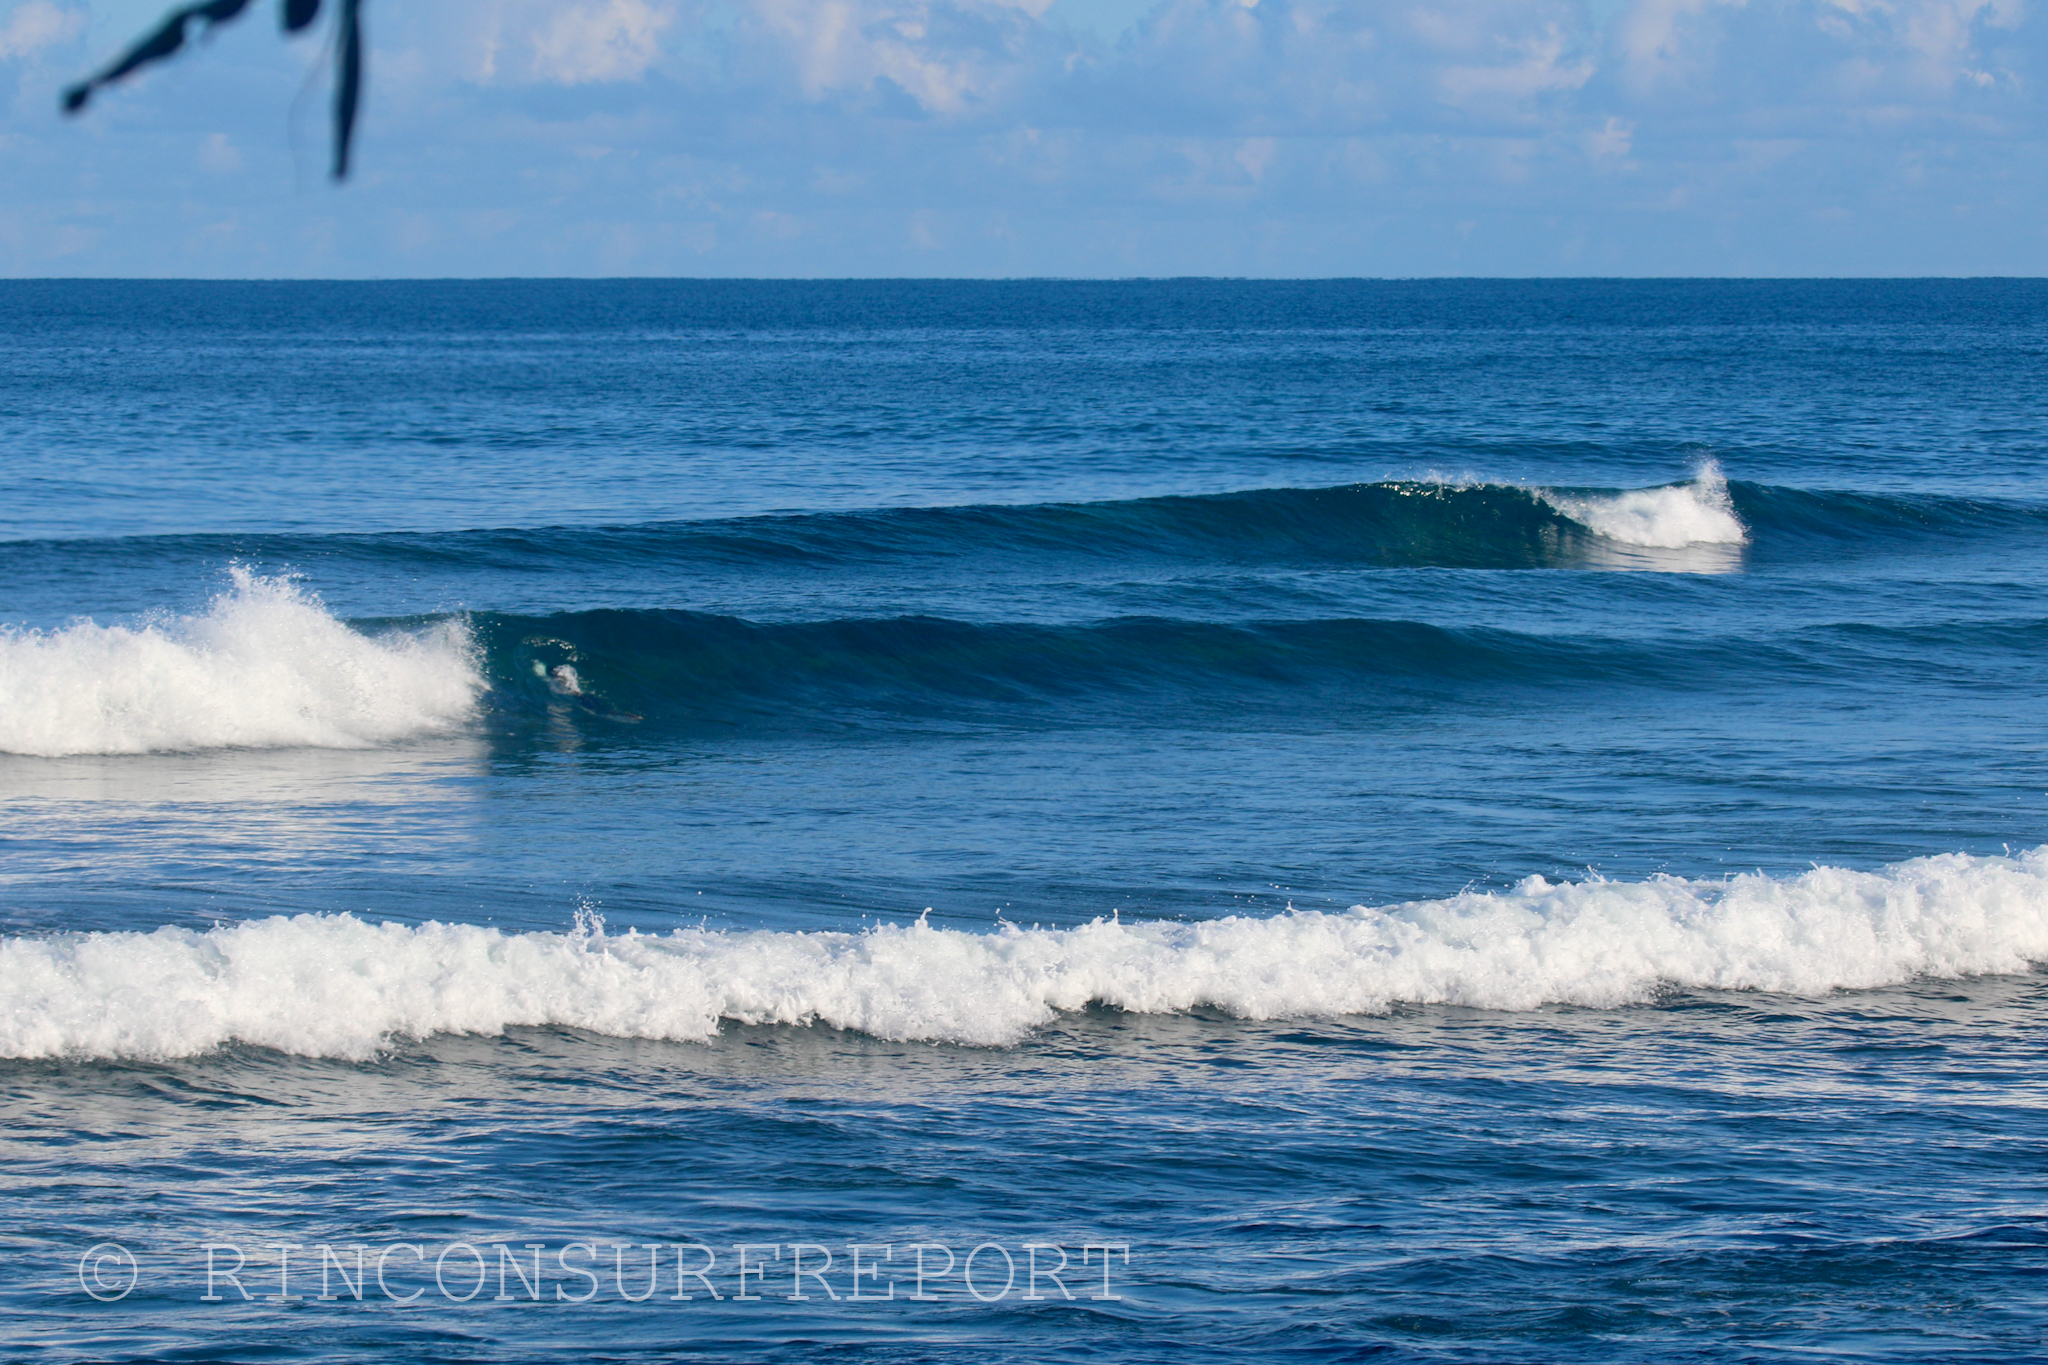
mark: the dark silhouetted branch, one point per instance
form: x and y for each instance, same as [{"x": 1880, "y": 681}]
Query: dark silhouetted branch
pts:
[
  {"x": 348, "y": 81},
  {"x": 169, "y": 36}
]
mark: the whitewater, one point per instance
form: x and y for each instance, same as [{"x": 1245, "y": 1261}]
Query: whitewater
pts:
[
  {"x": 1671, "y": 517},
  {"x": 335, "y": 985},
  {"x": 264, "y": 666}
]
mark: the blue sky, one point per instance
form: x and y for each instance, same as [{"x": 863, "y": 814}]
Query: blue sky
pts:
[{"x": 1047, "y": 137}]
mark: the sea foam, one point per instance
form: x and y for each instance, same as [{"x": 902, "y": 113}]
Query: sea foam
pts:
[
  {"x": 1697, "y": 512},
  {"x": 338, "y": 986},
  {"x": 265, "y": 666}
]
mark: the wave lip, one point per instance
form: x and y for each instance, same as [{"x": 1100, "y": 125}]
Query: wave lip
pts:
[
  {"x": 265, "y": 666},
  {"x": 334, "y": 985}
]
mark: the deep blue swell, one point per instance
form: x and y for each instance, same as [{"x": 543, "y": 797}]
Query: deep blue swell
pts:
[
  {"x": 803, "y": 608},
  {"x": 1403, "y": 524}
]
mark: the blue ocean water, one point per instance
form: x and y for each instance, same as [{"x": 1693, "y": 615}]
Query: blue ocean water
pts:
[{"x": 1139, "y": 821}]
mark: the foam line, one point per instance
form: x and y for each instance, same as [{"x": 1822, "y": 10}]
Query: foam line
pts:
[
  {"x": 265, "y": 666},
  {"x": 337, "y": 986}
]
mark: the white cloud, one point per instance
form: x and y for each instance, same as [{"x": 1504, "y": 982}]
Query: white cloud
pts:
[
  {"x": 606, "y": 40},
  {"x": 515, "y": 42},
  {"x": 218, "y": 155},
  {"x": 902, "y": 57},
  {"x": 1827, "y": 64},
  {"x": 1277, "y": 68},
  {"x": 1667, "y": 42},
  {"x": 1945, "y": 37},
  {"x": 1291, "y": 136},
  {"x": 1533, "y": 66},
  {"x": 1611, "y": 141},
  {"x": 37, "y": 24}
]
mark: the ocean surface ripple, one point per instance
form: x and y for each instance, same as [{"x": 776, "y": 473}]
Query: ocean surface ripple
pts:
[{"x": 1442, "y": 822}]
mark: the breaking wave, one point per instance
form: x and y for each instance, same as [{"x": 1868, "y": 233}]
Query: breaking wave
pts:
[
  {"x": 264, "y": 666},
  {"x": 1397, "y": 524},
  {"x": 1698, "y": 512},
  {"x": 337, "y": 986}
]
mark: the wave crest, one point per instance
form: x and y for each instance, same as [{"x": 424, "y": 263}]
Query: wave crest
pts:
[
  {"x": 264, "y": 666},
  {"x": 334, "y": 985},
  {"x": 1672, "y": 517}
]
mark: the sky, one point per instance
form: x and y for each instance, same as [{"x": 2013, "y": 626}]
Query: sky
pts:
[{"x": 1078, "y": 138}]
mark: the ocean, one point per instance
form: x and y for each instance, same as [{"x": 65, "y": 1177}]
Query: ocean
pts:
[{"x": 1141, "y": 821}]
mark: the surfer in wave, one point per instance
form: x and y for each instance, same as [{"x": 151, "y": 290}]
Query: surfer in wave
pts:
[{"x": 566, "y": 689}]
